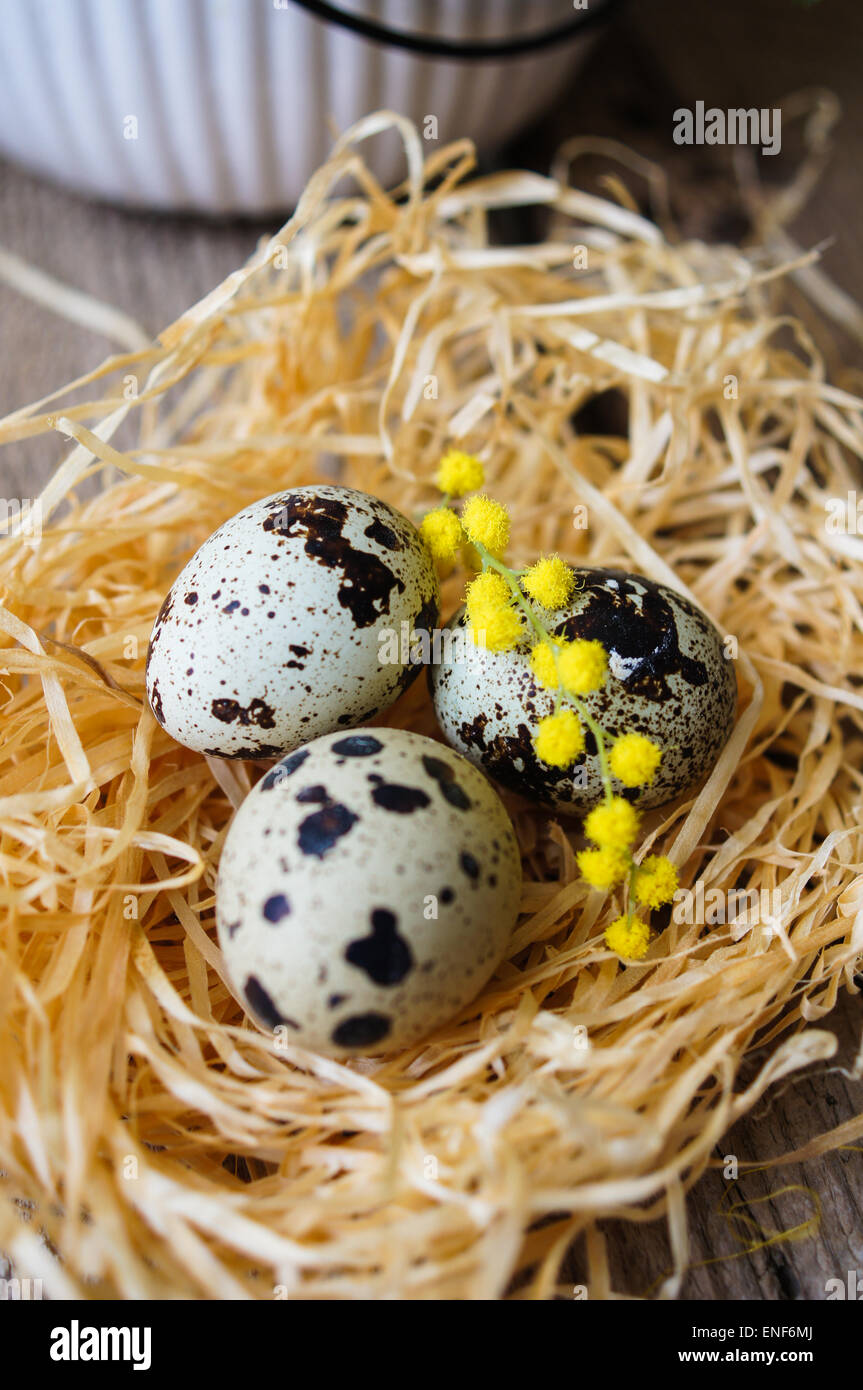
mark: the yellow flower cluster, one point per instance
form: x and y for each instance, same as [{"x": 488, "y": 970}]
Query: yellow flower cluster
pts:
[
  {"x": 486, "y": 523},
  {"x": 494, "y": 622},
  {"x": 500, "y": 631},
  {"x": 559, "y": 738},
  {"x": 542, "y": 663},
  {"x": 634, "y": 759},
  {"x": 628, "y": 937},
  {"x": 581, "y": 666},
  {"x": 488, "y": 589},
  {"x": 603, "y": 868},
  {"x": 613, "y": 824},
  {"x": 442, "y": 533},
  {"x": 656, "y": 882},
  {"x": 549, "y": 582},
  {"x": 459, "y": 473}
]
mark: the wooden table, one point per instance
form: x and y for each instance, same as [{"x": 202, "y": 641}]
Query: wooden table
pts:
[{"x": 659, "y": 56}]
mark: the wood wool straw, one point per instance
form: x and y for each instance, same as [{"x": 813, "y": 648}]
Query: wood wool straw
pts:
[{"x": 163, "y": 1145}]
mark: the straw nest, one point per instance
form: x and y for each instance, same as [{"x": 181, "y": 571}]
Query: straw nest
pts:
[{"x": 156, "y": 1143}]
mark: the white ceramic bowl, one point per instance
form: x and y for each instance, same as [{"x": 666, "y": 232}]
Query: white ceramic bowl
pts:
[{"x": 229, "y": 105}]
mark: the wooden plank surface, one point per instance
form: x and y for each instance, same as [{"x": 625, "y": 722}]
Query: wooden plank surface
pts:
[{"x": 658, "y": 57}]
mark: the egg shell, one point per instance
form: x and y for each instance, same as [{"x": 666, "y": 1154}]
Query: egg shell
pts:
[
  {"x": 272, "y": 633},
  {"x": 368, "y": 887},
  {"x": 668, "y": 679}
]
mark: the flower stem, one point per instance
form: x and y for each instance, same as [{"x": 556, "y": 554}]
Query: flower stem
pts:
[
  {"x": 490, "y": 562},
  {"x": 599, "y": 735},
  {"x": 630, "y": 889}
]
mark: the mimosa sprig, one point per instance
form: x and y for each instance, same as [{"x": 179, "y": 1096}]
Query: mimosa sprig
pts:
[{"x": 505, "y": 608}]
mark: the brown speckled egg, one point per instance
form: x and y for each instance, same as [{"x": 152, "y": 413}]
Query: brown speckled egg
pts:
[
  {"x": 276, "y": 630},
  {"x": 668, "y": 679},
  {"x": 368, "y": 887}
]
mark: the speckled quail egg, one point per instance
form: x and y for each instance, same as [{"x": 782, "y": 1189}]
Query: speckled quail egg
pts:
[
  {"x": 368, "y": 887},
  {"x": 277, "y": 628},
  {"x": 668, "y": 679}
]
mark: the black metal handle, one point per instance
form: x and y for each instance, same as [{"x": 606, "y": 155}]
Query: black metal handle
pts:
[{"x": 459, "y": 50}]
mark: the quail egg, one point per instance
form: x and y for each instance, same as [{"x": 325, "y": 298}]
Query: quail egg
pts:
[
  {"x": 368, "y": 887},
  {"x": 281, "y": 626},
  {"x": 668, "y": 679}
]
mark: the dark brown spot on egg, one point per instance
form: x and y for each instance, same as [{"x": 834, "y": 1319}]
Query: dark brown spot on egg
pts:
[
  {"x": 156, "y": 703},
  {"x": 357, "y": 746},
  {"x": 257, "y": 713},
  {"x": 635, "y": 622},
  {"x": 384, "y": 956},
  {"x": 383, "y": 535},
  {"x": 425, "y": 621},
  {"x": 276, "y": 908},
  {"x": 391, "y": 796},
  {"x": 262, "y": 1005},
  {"x": 469, "y": 864},
  {"x": 361, "y": 1030},
  {"x": 316, "y": 794},
  {"x": 472, "y": 733},
  {"x": 512, "y": 760},
  {"x": 167, "y": 605},
  {"x": 368, "y": 583},
  {"x": 445, "y": 777},
  {"x": 262, "y": 750},
  {"x": 321, "y": 830}
]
